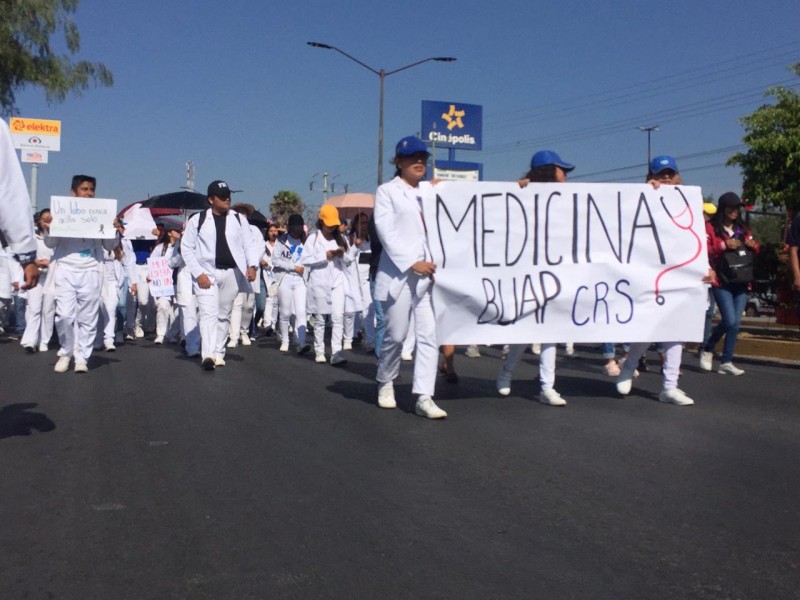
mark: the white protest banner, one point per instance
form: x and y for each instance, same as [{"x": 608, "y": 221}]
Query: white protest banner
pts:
[
  {"x": 566, "y": 262},
  {"x": 83, "y": 217},
  {"x": 160, "y": 274}
]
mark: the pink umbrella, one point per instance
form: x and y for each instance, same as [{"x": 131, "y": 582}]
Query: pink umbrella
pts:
[{"x": 350, "y": 205}]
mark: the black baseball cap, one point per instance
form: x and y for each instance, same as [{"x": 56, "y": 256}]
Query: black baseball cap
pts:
[{"x": 219, "y": 189}]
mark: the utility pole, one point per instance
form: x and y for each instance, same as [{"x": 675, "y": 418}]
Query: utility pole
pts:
[
  {"x": 189, "y": 175},
  {"x": 649, "y": 130},
  {"x": 325, "y": 188}
]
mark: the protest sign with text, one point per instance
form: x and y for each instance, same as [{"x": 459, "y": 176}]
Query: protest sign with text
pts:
[
  {"x": 159, "y": 274},
  {"x": 566, "y": 262},
  {"x": 83, "y": 217}
]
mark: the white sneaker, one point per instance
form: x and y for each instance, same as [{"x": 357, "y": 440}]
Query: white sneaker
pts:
[
  {"x": 81, "y": 367},
  {"x": 110, "y": 347},
  {"x": 284, "y": 347},
  {"x": 219, "y": 362},
  {"x": 552, "y": 397},
  {"x": 62, "y": 364},
  {"x": 728, "y": 368},
  {"x": 320, "y": 358},
  {"x": 232, "y": 343},
  {"x": 426, "y": 407},
  {"x": 139, "y": 333},
  {"x": 406, "y": 357},
  {"x": 386, "y": 395},
  {"x": 159, "y": 340},
  {"x": 504, "y": 382},
  {"x": 706, "y": 360},
  {"x": 347, "y": 346},
  {"x": 245, "y": 339},
  {"x": 472, "y": 351},
  {"x": 338, "y": 359},
  {"x": 624, "y": 382},
  {"x": 675, "y": 396},
  {"x": 43, "y": 348},
  {"x": 536, "y": 349}
]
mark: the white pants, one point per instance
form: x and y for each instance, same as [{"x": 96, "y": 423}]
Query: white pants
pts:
[
  {"x": 292, "y": 299},
  {"x": 143, "y": 317},
  {"x": 349, "y": 325},
  {"x": 337, "y": 324},
  {"x": 399, "y": 312},
  {"x": 190, "y": 330},
  {"x": 77, "y": 309},
  {"x": 39, "y": 315},
  {"x": 411, "y": 338},
  {"x": 271, "y": 311},
  {"x": 547, "y": 363},
  {"x": 107, "y": 321},
  {"x": 243, "y": 308},
  {"x": 167, "y": 323},
  {"x": 214, "y": 311},
  {"x": 673, "y": 352},
  {"x": 366, "y": 318}
]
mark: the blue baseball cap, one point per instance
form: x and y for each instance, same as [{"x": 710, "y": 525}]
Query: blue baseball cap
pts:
[
  {"x": 410, "y": 145},
  {"x": 661, "y": 163},
  {"x": 548, "y": 157}
]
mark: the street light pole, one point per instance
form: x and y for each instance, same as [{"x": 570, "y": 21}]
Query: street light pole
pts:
[
  {"x": 382, "y": 75},
  {"x": 649, "y": 130}
]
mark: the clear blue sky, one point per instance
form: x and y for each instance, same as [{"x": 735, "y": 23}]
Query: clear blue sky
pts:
[{"x": 233, "y": 87}]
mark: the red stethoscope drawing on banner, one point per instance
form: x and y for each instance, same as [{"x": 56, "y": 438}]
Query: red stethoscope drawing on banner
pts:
[{"x": 689, "y": 227}]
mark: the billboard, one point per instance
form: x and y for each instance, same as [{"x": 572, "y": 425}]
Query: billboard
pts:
[
  {"x": 452, "y": 124},
  {"x": 35, "y": 134}
]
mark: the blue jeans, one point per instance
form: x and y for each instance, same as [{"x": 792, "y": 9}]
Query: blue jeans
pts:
[
  {"x": 380, "y": 319},
  {"x": 731, "y": 301},
  {"x": 712, "y": 308}
]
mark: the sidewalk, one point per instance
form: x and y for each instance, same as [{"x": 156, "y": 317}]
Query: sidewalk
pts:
[{"x": 761, "y": 338}]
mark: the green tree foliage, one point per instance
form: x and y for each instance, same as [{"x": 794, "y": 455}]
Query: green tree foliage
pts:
[
  {"x": 27, "y": 56},
  {"x": 285, "y": 203},
  {"x": 771, "y": 165}
]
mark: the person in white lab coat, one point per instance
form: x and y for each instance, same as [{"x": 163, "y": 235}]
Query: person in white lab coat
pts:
[
  {"x": 15, "y": 209},
  {"x": 119, "y": 267},
  {"x": 77, "y": 278},
  {"x": 327, "y": 258},
  {"x": 404, "y": 278},
  {"x": 219, "y": 252},
  {"x": 288, "y": 270},
  {"x": 41, "y": 311}
]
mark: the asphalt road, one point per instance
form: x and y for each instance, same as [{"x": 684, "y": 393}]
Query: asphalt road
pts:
[{"x": 275, "y": 477}]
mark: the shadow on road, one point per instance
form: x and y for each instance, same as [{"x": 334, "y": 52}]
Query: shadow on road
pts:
[{"x": 15, "y": 419}]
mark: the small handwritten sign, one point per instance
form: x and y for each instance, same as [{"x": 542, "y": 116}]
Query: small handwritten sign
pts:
[
  {"x": 91, "y": 218},
  {"x": 160, "y": 275}
]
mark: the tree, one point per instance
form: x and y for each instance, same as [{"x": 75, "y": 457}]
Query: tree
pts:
[
  {"x": 771, "y": 165},
  {"x": 286, "y": 203},
  {"x": 27, "y": 56}
]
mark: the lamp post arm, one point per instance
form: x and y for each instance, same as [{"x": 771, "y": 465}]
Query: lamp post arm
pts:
[
  {"x": 354, "y": 59},
  {"x": 419, "y": 62}
]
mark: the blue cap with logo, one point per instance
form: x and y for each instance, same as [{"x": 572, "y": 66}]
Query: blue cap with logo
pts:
[
  {"x": 410, "y": 145},
  {"x": 662, "y": 163},
  {"x": 548, "y": 157}
]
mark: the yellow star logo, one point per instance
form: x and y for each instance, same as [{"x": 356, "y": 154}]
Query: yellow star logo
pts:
[{"x": 453, "y": 118}]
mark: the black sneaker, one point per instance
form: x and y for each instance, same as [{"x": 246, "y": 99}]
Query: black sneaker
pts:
[{"x": 209, "y": 364}]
